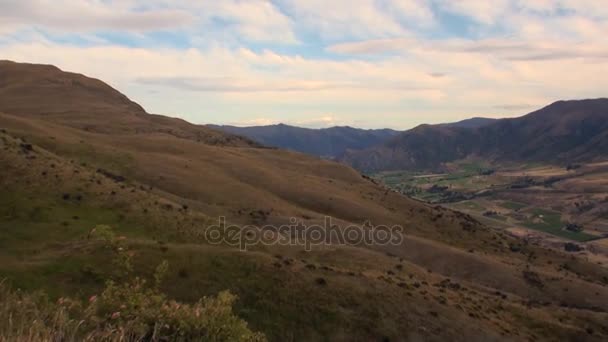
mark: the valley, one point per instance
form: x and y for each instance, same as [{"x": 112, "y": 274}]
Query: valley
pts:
[{"x": 553, "y": 204}]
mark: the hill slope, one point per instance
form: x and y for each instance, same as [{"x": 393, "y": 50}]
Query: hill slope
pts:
[
  {"x": 68, "y": 164},
  {"x": 563, "y": 132},
  {"x": 327, "y": 142},
  {"x": 44, "y": 92}
]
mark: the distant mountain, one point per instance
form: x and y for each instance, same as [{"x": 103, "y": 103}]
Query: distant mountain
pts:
[
  {"x": 563, "y": 132},
  {"x": 327, "y": 142},
  {"x": 471, "y": 123}
]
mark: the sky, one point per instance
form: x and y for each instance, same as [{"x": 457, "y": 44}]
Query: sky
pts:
[{"x": 320, "y": 63}]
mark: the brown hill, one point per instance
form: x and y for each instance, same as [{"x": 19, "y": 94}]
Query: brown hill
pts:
[
  {"x": 47, "y": 93},
  {"x": 563, "y": 132},
  {"x": 86, "y": 119},
  {"x": 68, "y": 164}
]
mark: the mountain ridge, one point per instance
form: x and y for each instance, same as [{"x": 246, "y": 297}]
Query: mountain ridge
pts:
[
  {"x": 562, "y": 132},
  {"x": 473, "y": 122},
  {"x": 331, "y": 142}
]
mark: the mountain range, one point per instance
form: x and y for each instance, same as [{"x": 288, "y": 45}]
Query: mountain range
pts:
[
  {"x": 75, "y": 154},
  {"x": 561, "y": 133},
  {"x": 330, "y": 142}
]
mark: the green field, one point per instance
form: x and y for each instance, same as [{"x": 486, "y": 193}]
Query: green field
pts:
[
  {"x": 467, "y": 178},
  {"x": 550, "y": 222},
  {"x": 469, "y": 205},
  {"x": 513, "y": 205}
]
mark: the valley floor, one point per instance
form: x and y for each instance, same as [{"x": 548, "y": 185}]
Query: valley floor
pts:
[{"x": 559, "y": 207}]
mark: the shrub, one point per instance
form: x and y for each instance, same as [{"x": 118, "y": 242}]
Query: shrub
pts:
[
  {"x": 572, "y": 247},
  {"x": 142, "y": 312},
  {"x": 127, "y": 310},
  {"x": 533, "y": 278},
  {"x": 573, "y": 227},
  {"x": 123, "y": 312}
]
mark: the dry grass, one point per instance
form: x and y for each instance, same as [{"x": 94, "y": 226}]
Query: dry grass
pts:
[
  {"x": 33, "y": 318},
  {"x": 354, "y": 275}
]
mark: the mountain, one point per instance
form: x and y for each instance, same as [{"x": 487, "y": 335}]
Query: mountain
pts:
[
  {"x": 471, "y": 123},
  {"x": 78, "y": 158},
  {"x": 327, "y": 142},
  {"x": 331, "y": 142},
  {"x": 83, "y": 103},
  {"x": 563, "y": 132}
]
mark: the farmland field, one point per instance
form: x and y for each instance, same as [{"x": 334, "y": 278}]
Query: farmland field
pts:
[{"x": 541, "y": 198}]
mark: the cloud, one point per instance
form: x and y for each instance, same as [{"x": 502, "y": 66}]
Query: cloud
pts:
[
  {"x": 340, "y": 19},
  {"x": 417, "y": 12},
  {"x": 529, "y": 51},
  {"x": 254, "y": 122},
  {"x": 503, "y": 48},
  {"x": 372, "y": 47},
  {"x": 327, "y": 120},
  {"x": 482, "y": 11},
  {"x": 222, "y": 84},
  {"x": 323, "y": 121},
  {"x": 437, "y": 74},
  {"x": 69, "y": 15},
  {"x": 514, "y": 107},
  {"x": 256, "y": 20},
  {"x": 495, "y": 12}
]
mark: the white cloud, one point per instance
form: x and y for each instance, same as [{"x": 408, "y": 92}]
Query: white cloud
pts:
[
  {"x": 254, "y": 122},
  {"x": 312, "y": 121},
  {"x": 327, "y": 120},
  {"x": 257, "y": 20},
  {"x": 503, "y": 48},
  {"x": 417, "y": 12},
  {"x": 339, "y": 19},
  {"x": 483, "y": 11},
  {"x": 71, "y": 15},
  {"x": 224, "y": 84},
  {"x": 374, "y": 46}
]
